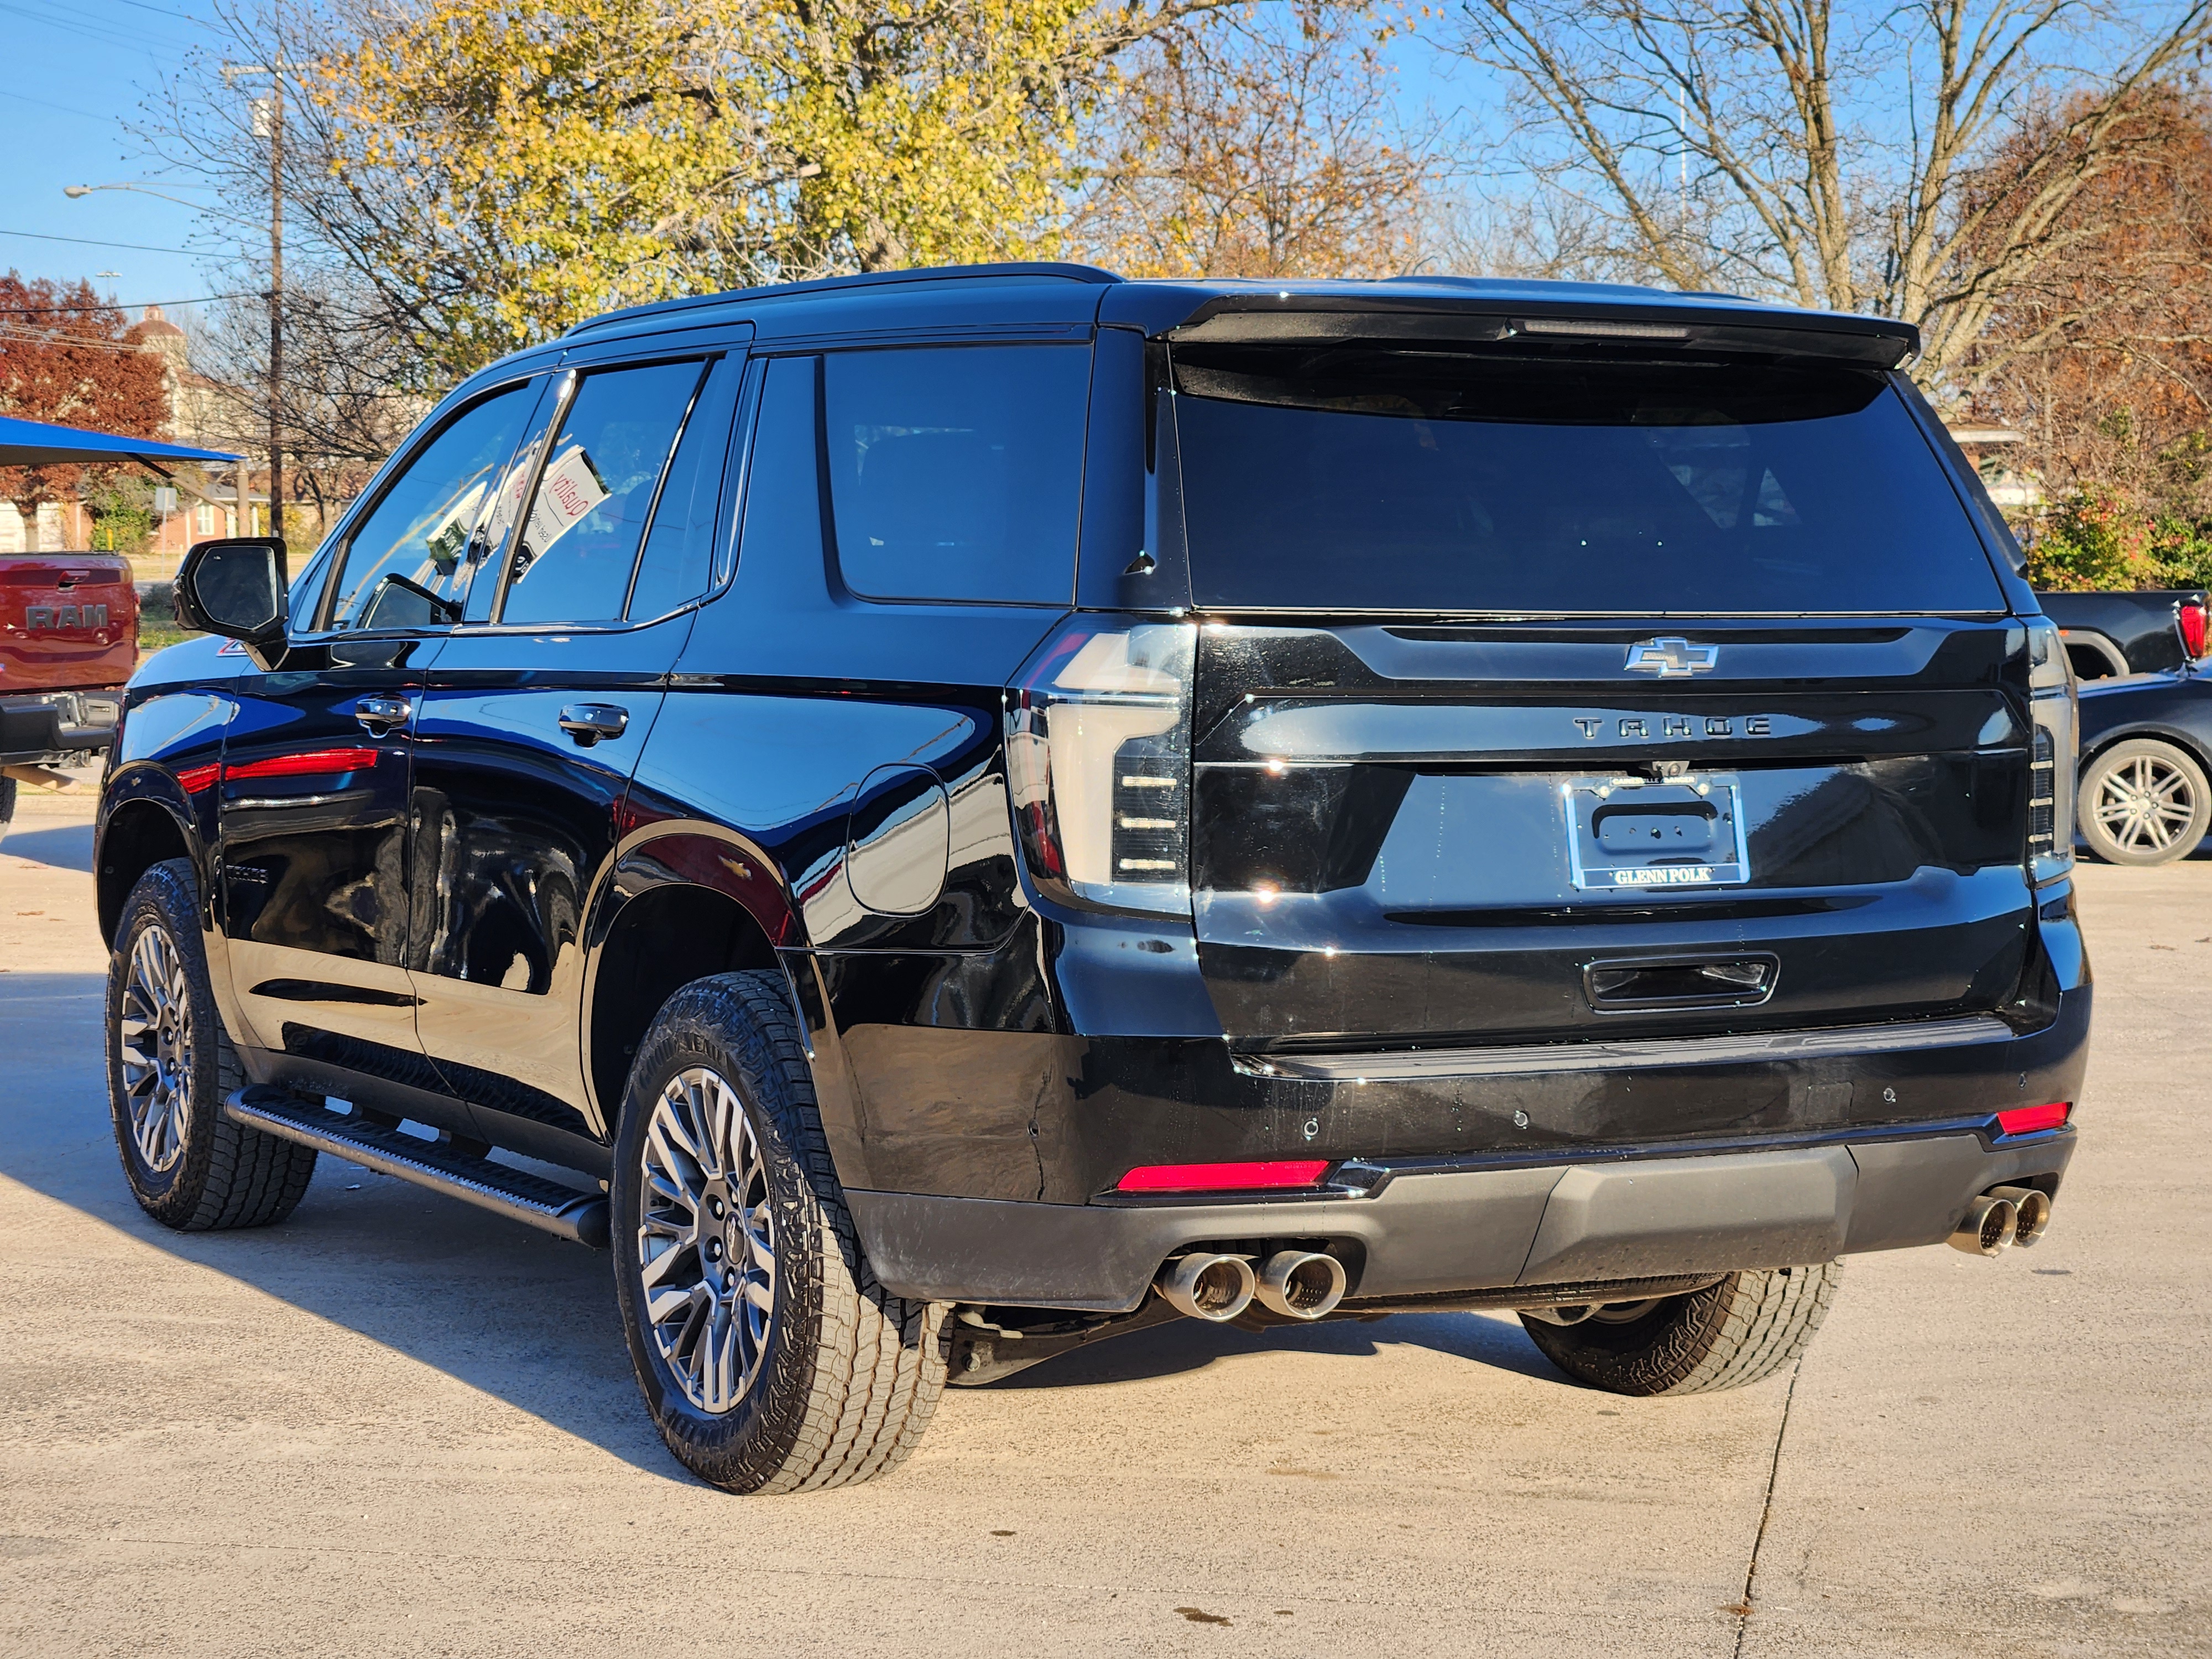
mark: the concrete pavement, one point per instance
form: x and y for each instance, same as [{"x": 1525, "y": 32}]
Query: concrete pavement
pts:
[{"x": 395, "y": 1424}]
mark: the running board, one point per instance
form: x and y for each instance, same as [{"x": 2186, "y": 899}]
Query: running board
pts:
[{"x": 515, "y": 1194}]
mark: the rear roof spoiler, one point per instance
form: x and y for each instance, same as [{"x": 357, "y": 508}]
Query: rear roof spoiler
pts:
[{"x": 1873, "y": 342}]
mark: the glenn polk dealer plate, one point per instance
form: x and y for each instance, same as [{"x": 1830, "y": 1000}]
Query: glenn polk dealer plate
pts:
[{"x": 1674, "y": 834}]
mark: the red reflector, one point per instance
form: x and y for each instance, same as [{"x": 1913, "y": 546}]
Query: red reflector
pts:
[
  {"x": 1223, "y": 1177},
  {"x": 2032, "y": 1119},
  {"x": 307, "y": 762}
]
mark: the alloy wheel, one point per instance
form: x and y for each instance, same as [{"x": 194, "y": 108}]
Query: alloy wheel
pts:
[
  {"x": 154, "y": 1038},
  {"x": 706, "y": 1241},
  {"x": 2144, "y": 804}
]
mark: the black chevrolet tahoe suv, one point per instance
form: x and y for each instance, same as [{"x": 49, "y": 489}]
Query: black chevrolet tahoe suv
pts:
[{"x": 942, "y": 816}]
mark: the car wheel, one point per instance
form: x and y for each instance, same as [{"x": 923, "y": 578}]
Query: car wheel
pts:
[
  {"x": 169, "y": 1065},
  {"x": 770, "y": 1357},
  {"x": 1744, "y": 1329},
  {"x": 2144, "y": 802},
  {"x": 7, "y": 801}
]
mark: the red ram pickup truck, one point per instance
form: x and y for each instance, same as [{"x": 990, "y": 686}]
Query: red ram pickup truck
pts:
[{"x": 68, "y": 640}]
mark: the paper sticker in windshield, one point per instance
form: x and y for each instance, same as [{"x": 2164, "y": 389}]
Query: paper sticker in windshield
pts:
[{"x": 571, "y": 490}]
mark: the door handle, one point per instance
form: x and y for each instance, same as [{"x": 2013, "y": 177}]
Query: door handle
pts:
[
  {"x": 587, "y": 722},
  {"x": 383, "y": 712}
]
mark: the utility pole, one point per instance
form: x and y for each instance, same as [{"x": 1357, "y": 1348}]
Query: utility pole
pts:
[{"x": 269, "y": 123}]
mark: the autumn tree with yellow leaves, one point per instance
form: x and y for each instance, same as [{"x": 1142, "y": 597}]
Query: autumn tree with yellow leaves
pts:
[{"x": 489, "y": 172}]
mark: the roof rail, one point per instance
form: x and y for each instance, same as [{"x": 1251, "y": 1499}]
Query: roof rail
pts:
[{"x": 1059, "y": 270}]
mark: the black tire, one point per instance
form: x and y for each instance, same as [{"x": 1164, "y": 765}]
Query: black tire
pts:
[
  {"x": 196, "y": 1171},
  {"x": 1742, "y": 1330},
  {"x": 7, "y": 801},
  {"x": 845, "y": 1376},
  {"x": 2167, "y": 787}
]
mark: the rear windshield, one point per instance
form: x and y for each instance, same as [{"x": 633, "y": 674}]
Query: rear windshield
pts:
[{"x": 1343, "y": 478}]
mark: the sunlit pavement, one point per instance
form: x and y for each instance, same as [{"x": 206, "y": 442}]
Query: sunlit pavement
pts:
[{"x": 397, "y": 1425}]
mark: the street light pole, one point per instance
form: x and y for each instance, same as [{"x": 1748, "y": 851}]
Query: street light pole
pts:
[
  {"x": 276, "y": 304},
  {"x": 268, "y": 112}
]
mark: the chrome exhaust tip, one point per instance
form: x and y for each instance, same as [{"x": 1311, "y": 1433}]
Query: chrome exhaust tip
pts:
[
  {"x": 1301, "y": 1284},
  {"x": 1203, "y": 1285},
  {"x": 2031, "y": 1210},
  {"x": 1990, "y": 1225}
]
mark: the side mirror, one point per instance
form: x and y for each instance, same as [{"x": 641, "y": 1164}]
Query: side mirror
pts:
[{"x": 237, "y": 588}]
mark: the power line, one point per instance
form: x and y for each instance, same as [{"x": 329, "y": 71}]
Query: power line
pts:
[
  {"x": 100, "y": 34},
  {"x": 86, "y": 241},
  {"x": 22, "y": 334},
  {"x": 127, "y": 305},
  {"x": 48, "y": 103},
  {"x": 167, "y": 11}
]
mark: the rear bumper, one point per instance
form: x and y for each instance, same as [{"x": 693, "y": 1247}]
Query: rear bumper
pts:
[
  {"x": 1428, "y": 1228},
  {"x": 986, "y": 1163},
  {"x": 40, "y": 729}
]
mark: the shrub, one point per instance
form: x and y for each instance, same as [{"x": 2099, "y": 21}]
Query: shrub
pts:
[{"x": 2094, "y": 540}]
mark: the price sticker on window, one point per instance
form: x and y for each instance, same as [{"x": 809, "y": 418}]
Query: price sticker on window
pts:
[{"x": 571, "y": 488}]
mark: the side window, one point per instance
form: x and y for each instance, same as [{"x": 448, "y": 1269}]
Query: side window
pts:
[
  {"x": 579, "y": 542},
  {"x": 307, "y": 592},
  {"x": 956, "y": 472},
  {"x": 679, "y": 544},
  {"x": 410, "y": 561},
  {"x": 783, "y": 482}
]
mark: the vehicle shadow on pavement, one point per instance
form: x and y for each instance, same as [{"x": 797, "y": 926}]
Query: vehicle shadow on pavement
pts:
[
  {"x": 518, "y": 1314},
  {"x": 65, "y": 846},
  {"x": 1190, "y": 1345},
  {"x": 521, "y": 1316}
]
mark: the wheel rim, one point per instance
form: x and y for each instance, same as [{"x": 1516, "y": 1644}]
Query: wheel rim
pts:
[
  {"x": 706, "y": 1242},
  {"x": 153, "y": 1041},
  {"x": 2145, "y": 805},
  {"x": 1624, "y": 1312}
]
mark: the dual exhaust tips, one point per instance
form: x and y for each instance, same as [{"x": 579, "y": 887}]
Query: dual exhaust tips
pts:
[
  {"x": 1295, "y": 1284},
  {"x": 2001, "y": 1217}
]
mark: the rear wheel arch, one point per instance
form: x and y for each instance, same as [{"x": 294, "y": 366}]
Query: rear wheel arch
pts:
[
  {"x": 658, "y": 941},
  {"x": 2098, "y": 649}
]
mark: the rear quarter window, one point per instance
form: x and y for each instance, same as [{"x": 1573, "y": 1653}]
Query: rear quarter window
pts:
[
  {"x": 1344, "y": 479},
  {"x": 956, "y": 472}
]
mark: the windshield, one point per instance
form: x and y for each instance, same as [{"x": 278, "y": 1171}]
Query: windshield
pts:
[{"x": 1352, "y": 479}]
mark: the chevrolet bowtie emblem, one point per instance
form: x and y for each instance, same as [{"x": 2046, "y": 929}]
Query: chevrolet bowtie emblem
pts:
[{"x": 1673, "y": 660}]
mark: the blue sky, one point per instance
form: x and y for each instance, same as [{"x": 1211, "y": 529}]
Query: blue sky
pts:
[{"x": 76, "y": 70}]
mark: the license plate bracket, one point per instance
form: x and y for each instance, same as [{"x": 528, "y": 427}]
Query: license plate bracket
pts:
[{"x": 1668, "y": 835}]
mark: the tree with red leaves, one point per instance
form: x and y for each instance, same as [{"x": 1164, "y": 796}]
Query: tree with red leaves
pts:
[{"x": 64, "y": 359}]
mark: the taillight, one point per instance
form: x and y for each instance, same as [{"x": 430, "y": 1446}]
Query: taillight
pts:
[
  {"x": 2034, "y": 1120},
  {"x": 2190, "y": 621},
  {"x": 1099, "y": 761},
  {"x": 2051, "y": 756}
]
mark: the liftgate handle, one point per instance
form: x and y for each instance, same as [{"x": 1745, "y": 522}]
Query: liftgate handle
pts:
[{"x": 587, "y": 722}]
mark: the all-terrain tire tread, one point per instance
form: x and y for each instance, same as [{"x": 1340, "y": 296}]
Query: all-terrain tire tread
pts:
[
  {"x": 878, "y": 1360},
  {"x": 233, "y": 1177},
  {"x": 1749, "y": 1327}
]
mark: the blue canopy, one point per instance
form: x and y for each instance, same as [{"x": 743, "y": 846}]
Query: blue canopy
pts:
[{"x": 34, "y": 443}]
